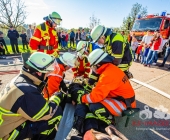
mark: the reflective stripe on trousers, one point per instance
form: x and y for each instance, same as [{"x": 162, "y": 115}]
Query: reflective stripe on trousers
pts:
[{"x": 114, "y": 106}]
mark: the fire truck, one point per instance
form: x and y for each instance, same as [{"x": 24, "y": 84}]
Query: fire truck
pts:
[{"x": 153, "y": 22}]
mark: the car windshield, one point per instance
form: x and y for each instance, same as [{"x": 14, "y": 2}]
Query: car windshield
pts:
[{"x": 147, "y": 24}]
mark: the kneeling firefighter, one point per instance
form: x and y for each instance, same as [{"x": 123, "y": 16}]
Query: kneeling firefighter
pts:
[
  {"x": 116, "y": 46},
  {"x": 108, "y": 98},
  {"x": 24, "y": 113}
]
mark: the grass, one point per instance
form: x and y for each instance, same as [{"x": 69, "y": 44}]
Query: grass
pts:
[
  {"x": 28, "y": 50},
  {"x": 20, "y": 49}
]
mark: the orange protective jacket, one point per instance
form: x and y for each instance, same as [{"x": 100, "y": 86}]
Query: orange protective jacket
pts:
[
  {"x": 53, "y": 83},
  {"x": 83, "y": 68},
  {"x": 112, "y": 83},
  {"x": 44, "y": 37}
]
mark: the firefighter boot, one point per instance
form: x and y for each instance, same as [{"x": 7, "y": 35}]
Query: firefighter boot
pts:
[{"x": 76, "y": 129}]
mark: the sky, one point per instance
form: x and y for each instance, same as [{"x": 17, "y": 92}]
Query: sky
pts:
[{"x": 76, "y": 13}]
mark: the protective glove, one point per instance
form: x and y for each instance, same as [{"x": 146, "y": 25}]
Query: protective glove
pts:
[
  {"x": 63, "y": 86},
  {"x": 57, "y": 97},
  {"x": 76, "y": 90},
  {"x": 76, "y": 96},
  {"x": 88, "y": 88}
]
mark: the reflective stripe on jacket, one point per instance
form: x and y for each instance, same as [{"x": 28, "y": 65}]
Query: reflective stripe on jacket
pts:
[
  {"x": 120, "y": 49},
  {"x": 44, "y": 37},
  {"x": 21, "y": 100},
  {"x": 112, "y": 83}
]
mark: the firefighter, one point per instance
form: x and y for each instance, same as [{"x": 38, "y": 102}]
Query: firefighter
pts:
[
  {"x": 109, "y": 97},
  {"x": 45, "y": 37},
  {"x": 82, "y": 66},
  {"x": 55, "y": 78},
  {"x": 24, "y": 113}
]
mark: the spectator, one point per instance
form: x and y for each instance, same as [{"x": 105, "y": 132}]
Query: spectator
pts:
[
  {"x": 24, "y": 40},
  {"x": 2, "y": 50},
  {"x": 13, "y": 35},
  {"x": 167, "y": 53},
  {"x": 72, "y": 38},
  {"x": 139, "y": 51},
  {"x": 134, "y": 45},
  {"x": 78, "y": 36},
  {"x": 63, "y": 36},
  {"x": 66, "y": 40},
  {"x": 59, "y": 37},
  {"x": 3, "y": 41},
  {"x": 153, "y": 52},
  {"x": 89, "y": 36},
  {"x": 83, "y": 35},
  {"x": 30, "y": 32},
  {"x": 146, "y": 40}
]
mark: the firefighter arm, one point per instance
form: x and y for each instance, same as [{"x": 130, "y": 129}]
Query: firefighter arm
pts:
[
  {"x": 87, "y": 70},
  {"x": 53, "y": 84},
  {"x": 35, "y": 40},
  {"x": 117, "y": 51},
  {"x": 75, "y": 71},
  {"x": 101, "y": 90}
]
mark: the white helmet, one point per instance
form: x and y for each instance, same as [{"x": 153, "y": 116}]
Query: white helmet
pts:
[
  {"x": 81, "y": 47},
  {"x": 68, "y": 59},
  {"x": 40, "y": 61},
  {"x": 99, "y": 31},
  {"x": 96, "y": 56}
]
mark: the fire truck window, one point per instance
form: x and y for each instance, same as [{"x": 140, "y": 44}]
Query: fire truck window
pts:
[{"x": 166, "y": 24}]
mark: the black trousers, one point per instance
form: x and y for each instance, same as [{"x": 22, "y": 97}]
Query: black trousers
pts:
[
  {"x": 14, "y": 45},
  {"x": 2, "y": 51},
  {"x": 72, "y": 41},
  {"x": 24, "y": 43},
  {"x": 2, "y": 41},
  {"x": 34, "y": 130}
]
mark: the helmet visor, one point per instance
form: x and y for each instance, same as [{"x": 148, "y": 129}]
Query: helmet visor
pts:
[{"x": 57, "y": 21}]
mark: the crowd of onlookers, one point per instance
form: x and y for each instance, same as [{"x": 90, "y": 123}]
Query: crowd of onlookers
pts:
[
  {"x": 147, "y": 52},
  {"x": 13, "y": 36},
  {"x": 74, "y": 38}
]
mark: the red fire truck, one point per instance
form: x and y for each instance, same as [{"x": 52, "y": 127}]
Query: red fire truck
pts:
[{"x": 153, "y": 23}]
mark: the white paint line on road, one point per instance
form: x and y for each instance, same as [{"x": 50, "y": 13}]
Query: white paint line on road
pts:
[
  {"x": 152, "y": 88},
  {"x": 159, "y": 134},
  {"x": 152, "y": 80}
]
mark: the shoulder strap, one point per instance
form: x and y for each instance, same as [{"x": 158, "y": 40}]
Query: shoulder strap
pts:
[{"x": 43, "y": 27}]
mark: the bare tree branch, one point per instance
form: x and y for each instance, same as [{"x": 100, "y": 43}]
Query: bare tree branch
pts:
[{"x": 12, "y": 13}]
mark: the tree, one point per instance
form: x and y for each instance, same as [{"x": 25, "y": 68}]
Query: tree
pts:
[
  {"x": 12, "y": 13},
  {"x": 93, "y": 21},
  {"x": 137, "y": 9}
]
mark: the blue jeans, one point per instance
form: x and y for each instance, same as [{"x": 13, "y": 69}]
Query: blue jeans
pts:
[
  {"x": 77, "y": 41},
  {"x": 133, "y": 52},
  {"x": 153, "y": 56},
  {"x": 166, "y": 55},
  {"x": 149, "y": 56}
]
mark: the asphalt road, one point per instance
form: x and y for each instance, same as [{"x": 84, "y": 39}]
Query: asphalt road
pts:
[{"x": 151, "y": 123}]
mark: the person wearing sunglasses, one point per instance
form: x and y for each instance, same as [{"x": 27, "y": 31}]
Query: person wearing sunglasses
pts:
[
  {"x": 24, "y": 113},
  {"x": 45, "y": 38}
]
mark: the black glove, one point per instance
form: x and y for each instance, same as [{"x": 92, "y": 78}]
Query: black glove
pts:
[
  {"x": 76, "y": 90},
  {"x": 63, "y": 86}
]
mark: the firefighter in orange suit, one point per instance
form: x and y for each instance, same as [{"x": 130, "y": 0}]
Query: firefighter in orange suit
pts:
[
  {"x": 112, "y": 94},
  {"x": 82, "y": 66},
  {"x": 45, "y": 38},
  {"x": 55, "y": 80}
]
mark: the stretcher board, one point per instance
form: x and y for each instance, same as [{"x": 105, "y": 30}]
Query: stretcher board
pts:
[{"x": 66, "y": 122}]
